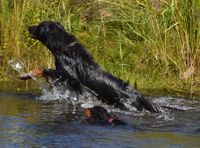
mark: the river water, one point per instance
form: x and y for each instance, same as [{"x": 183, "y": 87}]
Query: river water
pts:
[{"x": 26, "y": 121}]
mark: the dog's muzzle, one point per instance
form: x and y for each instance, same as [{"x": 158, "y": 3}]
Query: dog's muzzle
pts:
[{"x": 33, "y": 31}]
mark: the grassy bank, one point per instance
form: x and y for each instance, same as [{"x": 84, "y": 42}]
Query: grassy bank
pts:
[{"x": 155, "y": 42}]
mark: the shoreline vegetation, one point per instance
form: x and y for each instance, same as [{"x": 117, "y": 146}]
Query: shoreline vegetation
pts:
[{"x": 155, "y": 43}]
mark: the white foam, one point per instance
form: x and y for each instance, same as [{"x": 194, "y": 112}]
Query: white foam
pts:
[{"x": 178, "y": 103}]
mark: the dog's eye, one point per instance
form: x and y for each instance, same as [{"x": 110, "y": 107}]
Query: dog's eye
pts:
[{"x": 44, "y": 30}]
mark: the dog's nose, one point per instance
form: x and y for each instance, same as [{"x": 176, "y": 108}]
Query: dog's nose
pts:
[{"x": 32, "y": 29}]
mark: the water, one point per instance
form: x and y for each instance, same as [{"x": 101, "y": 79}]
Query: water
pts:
[
  {"x": 26, "y": 121},
  {"x": 18, "y": 66},
  {"x": 51, "y": 92},
  {"x": 54, "y": 118}
]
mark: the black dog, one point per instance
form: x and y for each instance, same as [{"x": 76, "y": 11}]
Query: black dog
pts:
[
  {"x": 99, "y": 115},
  {"x": 77, "y": 67}
]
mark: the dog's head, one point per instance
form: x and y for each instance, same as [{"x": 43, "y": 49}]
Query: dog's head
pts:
[
  {"x": 52, "y": 34},
  {"x": 99, "y": 115}
]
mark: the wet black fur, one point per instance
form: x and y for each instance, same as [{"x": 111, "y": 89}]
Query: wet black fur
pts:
[
  {"x": 76, "y": 66},
  {"x": 99, "y": 115}
]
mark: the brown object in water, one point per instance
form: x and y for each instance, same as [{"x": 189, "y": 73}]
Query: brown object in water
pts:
[
  {"x": 38, "y": 73},
  {"x": 87, "y": 112},
  {"x": 99, "y": 115}
]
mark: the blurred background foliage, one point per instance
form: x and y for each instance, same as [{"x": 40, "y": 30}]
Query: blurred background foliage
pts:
[{"x": 153, "y": 42}]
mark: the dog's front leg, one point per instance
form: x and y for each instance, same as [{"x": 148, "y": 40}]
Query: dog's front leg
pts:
[
  {"x": 61, "y": 77},
  {"x": 39, "y": 73}
]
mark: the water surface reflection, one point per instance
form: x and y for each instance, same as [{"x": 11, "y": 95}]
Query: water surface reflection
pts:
[{"x": 27, "y": 122}]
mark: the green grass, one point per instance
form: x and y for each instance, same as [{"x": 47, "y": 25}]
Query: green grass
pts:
[{"x": 155, "y": 43}]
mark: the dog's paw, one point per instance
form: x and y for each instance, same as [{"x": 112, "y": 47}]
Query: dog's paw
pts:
[{"x": 38, "y": 73}]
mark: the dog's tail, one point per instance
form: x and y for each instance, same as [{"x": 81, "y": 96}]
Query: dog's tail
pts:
[
  {"x": 143, "y": 103},
  {"x": 148, "y": 105}
]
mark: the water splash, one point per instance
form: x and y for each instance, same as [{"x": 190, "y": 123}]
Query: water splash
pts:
[
  {"x": 178, "y": 103},
  {"x": 51, "y": 92},
  {"x": 18, "y": 65},
  {"x": 89, "y": 99},
  {"x": 166, "y": 116}
]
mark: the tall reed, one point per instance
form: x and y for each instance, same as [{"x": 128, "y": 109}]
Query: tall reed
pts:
[{"x": 155, "y": 42}]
